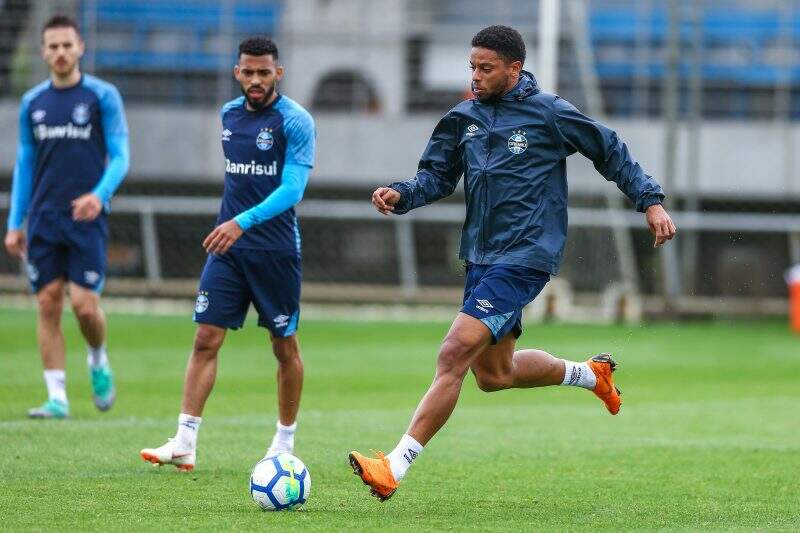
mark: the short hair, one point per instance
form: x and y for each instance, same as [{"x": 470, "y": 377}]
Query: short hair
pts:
[
  {"x": 61, "y": 21},
  {"x": 258, "y": 46},
  {"x": 504, "y": 40}
]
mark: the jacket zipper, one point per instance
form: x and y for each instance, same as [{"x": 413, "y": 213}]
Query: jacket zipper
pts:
[{"x": 485, "y": 195}]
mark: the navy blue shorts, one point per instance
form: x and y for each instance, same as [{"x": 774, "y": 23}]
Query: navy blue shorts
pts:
[
  {"x": 270, "y": 280},
  {"x": 496, "y": 295},
  {"x": 59, "y": 247}
]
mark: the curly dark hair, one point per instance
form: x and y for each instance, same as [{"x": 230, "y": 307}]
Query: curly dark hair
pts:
[
  {"x": 504, "y": 40},
  {"x": 258, "y": 46},
  {"x": 61, "y": 21}
]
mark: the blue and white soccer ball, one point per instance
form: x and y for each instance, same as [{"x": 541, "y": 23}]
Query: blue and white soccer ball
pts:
[{"x": 280, "y": 482}]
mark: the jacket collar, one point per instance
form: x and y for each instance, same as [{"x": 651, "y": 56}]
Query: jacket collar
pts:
[{"x": 525, "y": 87}]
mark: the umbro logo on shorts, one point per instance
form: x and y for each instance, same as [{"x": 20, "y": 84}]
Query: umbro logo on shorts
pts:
[
  {"x": 281, "y": 321},
  {"x": 484, "y": 305}
]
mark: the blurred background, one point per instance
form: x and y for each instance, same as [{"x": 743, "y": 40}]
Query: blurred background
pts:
[{"x": 706, "y": 94}]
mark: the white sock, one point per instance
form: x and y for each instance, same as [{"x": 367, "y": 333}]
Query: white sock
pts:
[
  {"x": 579, "y": 375},
  {"x": 188, "y": 426},
  {"x": 403, "y": 455},
  {"x": 56, "y": 381},
  {"x": 97, "y": 356},
  {"x": 283, "y": 440}
]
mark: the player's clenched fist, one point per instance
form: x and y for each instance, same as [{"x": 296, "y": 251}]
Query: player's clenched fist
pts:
[
  {"x": 223, "y": 237},
  {"x": 384, "y": 199}
]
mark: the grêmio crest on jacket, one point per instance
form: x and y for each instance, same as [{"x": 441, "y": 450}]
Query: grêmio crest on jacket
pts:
[{"x": 517, "y": 143}]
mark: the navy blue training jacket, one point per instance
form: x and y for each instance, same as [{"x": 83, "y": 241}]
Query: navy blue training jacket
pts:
[{"x": 512, "y": 154}]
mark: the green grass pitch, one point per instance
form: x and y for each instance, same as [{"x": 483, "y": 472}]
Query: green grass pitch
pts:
[{"x": 708, "y": 436}]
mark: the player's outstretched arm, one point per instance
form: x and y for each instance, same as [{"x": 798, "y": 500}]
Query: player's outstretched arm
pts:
[
  {"x": 660, "y": 224},
  {"x": 578, "y": 133},
  {"x": 440, "y": 169}
]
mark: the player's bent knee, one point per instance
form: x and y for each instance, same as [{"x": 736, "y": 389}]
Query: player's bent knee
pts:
[{"x": 454, "y": 356}]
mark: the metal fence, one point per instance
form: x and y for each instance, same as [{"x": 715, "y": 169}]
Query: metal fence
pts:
[{"x": 156, "y": 250}]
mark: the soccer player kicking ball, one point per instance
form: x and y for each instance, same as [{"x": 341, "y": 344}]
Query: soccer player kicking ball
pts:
[
  {"x": 510, "y": 142},
  {"x": 72, "y": 155},
  {"x": 254, "y": 252}
]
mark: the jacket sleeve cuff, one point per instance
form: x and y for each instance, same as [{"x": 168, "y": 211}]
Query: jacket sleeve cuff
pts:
[
  {"x": 647, "y": 201},
  {"x": 404, "y": 205},
  {"x": 244, "y": 221}
]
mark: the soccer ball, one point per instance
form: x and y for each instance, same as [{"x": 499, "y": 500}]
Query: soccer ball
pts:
[{"x": 280, "y": 482}]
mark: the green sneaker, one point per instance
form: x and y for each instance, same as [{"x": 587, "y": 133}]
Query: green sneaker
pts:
[
  {"x": 50, "y": 409},
  {"x": 103, "y": 391}
]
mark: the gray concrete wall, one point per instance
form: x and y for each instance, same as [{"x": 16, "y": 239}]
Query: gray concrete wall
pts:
[{"x": 318, "y": 38}]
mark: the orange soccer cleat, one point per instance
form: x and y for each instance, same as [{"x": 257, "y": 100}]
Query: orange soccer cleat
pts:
[
  {"x": 603, "y": 366},
  {"x": 376, "y": 473}
]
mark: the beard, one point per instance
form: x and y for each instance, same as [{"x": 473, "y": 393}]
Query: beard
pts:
[
  {"x": 487, "y": 97},
  {"x": 261, "y": 103}
]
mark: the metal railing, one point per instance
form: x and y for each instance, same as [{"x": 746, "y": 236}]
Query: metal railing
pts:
[{"x": 147, "y": 208}]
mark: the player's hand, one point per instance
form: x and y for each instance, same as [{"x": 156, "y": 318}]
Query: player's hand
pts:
[
  {"x": 85, "y": 208},
  {"x": 660, "y": 224},
  {"x": 15, "y": 243},
  {"x": 384, "y": 199},
  {"x": 222, "y": 238}
]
